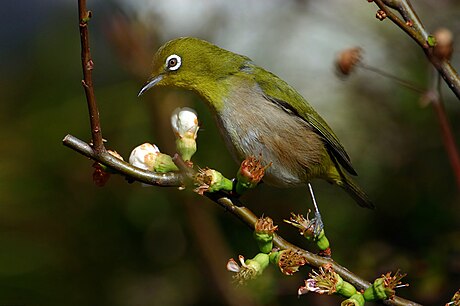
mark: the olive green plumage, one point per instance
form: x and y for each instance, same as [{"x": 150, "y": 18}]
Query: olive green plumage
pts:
[{"x": 258, "y": 114}]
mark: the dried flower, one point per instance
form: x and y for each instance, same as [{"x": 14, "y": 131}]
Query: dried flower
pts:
[
  {"x": 347, "y": 60},
  {"x": 384, "y": 287},
  {"x": 210, "y": 180},
  {"x": 148, "y": 157},
  {"x": 306, "y": 228},
  {"x": 184, "y": 122},
  {"x": 249, "y": 269},
  {"x": 289, "y": 261},
  {"x": 250, "y": 174},
  {"x": 327, "y": 281},
  {"x": 263, "y": 233}
]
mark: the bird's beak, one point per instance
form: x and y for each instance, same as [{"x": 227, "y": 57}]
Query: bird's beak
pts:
[{"x": 152, "y": 82}]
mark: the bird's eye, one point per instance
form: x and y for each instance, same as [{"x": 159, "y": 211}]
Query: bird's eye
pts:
[{"x": 173, "y": 62}]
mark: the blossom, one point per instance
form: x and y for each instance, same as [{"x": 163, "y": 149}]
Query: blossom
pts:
[
  {"x": 148, "y": 157},
  {"x": 184, "y": 122}
]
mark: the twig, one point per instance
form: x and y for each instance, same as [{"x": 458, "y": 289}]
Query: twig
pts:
[
  {"x": 171, "y": 179},
  {"x": 87, "y": 65},
  {"x": 446, "y": 130},
  {"x": 412, "y": 25}
]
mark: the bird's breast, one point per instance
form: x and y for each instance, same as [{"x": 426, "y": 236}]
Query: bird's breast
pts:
[{"x": 254, "y": 126}]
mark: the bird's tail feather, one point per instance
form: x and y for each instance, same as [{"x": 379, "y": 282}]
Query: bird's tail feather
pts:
[{"x": 355, "y": 192}]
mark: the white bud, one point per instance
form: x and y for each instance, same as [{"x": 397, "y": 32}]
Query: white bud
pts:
[
  {"x": 184, "y": 122},
  {"x": 144, "y": 156}
]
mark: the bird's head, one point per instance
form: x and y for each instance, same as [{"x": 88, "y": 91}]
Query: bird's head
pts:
[{"x": 193, "y": 64}]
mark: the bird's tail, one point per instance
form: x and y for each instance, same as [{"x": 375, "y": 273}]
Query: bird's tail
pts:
[{"x": 355, "y": 191}]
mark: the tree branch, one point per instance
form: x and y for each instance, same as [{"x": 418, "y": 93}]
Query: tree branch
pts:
[
  {"x": 229, "y": 203},
  {"x": 87, "y": 66},
  {"x": 412, "y": 25}
]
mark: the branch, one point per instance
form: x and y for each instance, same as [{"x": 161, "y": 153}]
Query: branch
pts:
[
  {"x": 229, "y": 203},
  {"x": 87, "y": 65},
  {"x": 411, "y": 24}
]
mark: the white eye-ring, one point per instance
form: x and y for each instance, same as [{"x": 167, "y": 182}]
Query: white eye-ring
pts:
[{"x": 173, "y": 62}]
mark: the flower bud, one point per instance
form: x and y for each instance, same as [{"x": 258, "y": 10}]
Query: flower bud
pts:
[
  {"x": 249, "y": 269},
  {"x": 444, "y": 44},
  {"x": 210, "y": 180},
  {"x": 148, "y": 157},
  {"x": 263, "y": 233},
  {"x": 184, "y": 122}
]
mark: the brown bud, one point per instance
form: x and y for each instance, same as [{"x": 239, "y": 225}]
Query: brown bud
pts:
[
  {"x": 100, "y": 176},
  {"x": 444, "y": 44},
  {"x": 347, "y": 59},
  {"x": 380, "y": 15}
]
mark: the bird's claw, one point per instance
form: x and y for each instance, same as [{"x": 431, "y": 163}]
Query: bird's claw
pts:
[{"x": 317, "y": 225}]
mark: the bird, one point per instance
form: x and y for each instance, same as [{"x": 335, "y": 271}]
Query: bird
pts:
[{"x": 258, "y": 114}]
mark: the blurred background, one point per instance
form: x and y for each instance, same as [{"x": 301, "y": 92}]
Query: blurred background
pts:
[{"x": 65, "y": 241}]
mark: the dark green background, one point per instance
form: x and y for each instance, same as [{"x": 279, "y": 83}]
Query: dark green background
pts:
[{"x": 64, "y": 241}]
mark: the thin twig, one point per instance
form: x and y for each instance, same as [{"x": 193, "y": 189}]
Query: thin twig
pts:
[
  {"x": 170, "y": 179},
  {"x": 87, "y": 65},
  {"x": 446, "y": 130},
  {"x": 412, "y": 25}
]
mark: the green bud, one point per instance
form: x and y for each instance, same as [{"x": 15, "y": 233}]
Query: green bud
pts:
[
  {"x": 163, "y": 163},
  {"x": 210, "y": 180},
  {"x": 431, "y": 40},
  {"x": 264, "y": 241},
  {"x": 274, "y": 257},
  {"x": 376, "y": 291},
  {"x": 356, "y": 299},
  {"x": 345, "y": 288},
  {"x": 384, "y": 287},
  {"x": 259, "y": 262},
  {"x": 322, "y": 242},
  {"x": 263, "y": 233},
  {"x": 186, "y": 147},
  {"x": 249, "y": 269}
]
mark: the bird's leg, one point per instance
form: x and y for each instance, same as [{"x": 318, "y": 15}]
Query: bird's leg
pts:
[{"x": 317, "y": 220}]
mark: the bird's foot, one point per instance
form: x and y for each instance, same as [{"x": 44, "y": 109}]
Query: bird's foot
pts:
[{"x": 317, "y": 224}]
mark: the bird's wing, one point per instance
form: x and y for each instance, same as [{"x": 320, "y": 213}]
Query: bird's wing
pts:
[{"x": 278, "y": 92}]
